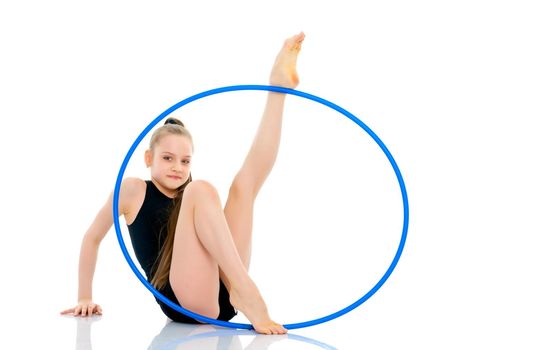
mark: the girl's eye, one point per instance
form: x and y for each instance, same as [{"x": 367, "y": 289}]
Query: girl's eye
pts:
[
  {"x": 167, "y": 158},
  {"x": 185, "y": 161}
]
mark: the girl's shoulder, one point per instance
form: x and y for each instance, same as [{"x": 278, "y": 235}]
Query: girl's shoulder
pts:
[
  {"x": 133, "y": 190},
  {"x": 131, "y": 198},
  {"x": 132, "y": 185}
]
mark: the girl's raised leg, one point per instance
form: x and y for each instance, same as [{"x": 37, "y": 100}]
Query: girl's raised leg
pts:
[{"x": 263, "y": 152}]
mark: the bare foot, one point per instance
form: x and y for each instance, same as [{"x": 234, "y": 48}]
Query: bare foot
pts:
[
  {"x": 249, "y": 301},
  {"x": 284, "y": 71}
]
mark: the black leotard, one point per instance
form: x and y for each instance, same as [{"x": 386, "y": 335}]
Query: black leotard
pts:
[{"x": 148, "y": 231}]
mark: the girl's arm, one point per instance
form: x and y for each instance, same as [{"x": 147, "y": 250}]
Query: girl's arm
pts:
[{"x": 130, "y": 189}]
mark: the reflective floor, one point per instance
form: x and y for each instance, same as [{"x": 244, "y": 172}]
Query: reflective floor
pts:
[
  {"x": 372, "y": 326},
  {"x": 183, "y": 336}
]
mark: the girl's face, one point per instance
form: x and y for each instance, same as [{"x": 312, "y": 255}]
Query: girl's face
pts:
[{"x": 170, "y": 162}]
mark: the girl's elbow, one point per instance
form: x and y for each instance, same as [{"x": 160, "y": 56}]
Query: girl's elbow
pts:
[{"x": 92, "y": 240}]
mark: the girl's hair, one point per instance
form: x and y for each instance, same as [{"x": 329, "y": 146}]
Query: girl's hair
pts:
[
  {"x": 171, "y": 126},
  {"x": 162, "y": 265}
]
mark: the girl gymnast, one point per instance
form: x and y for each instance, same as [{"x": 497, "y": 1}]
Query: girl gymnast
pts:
[{"x": 194, "y": 251}]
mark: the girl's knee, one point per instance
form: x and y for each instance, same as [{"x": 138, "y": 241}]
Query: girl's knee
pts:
[{"x": 202, "y": 189}]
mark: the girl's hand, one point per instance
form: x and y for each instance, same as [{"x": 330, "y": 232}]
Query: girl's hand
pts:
[{"x": 84, "y": 308}]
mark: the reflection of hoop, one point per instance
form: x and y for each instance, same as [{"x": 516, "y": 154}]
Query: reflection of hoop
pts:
[
  {"x": 230, "y": 333},
  {"x": 272, "y": 89}
]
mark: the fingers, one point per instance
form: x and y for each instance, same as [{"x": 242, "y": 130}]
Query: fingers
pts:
[
  {"x": 68, "y": 311},
  {"x": 77, "y": 310},
  {"x": 83, "y": 310},
  {"x": 87, "y": 309}
]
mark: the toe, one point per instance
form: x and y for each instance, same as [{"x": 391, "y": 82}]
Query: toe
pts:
[
  {"x": 294, "y": 43},
  {"x": 263, "y": 331},
  {"x": 299, "y": 40},
  {"x": 277, "y": 329}
]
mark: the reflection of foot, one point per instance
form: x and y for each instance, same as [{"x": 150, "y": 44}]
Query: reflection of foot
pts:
[
  {"x": 284, "y": 71},
  {"x": 250, "y": 302},
  {"x": 176, "y": 333},
  {"x": 262, "y": 342}
]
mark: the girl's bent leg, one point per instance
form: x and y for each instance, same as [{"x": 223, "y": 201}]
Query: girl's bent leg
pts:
[
  {"x": 194, "y": 274},
  {"x": 203, "y": 244}
]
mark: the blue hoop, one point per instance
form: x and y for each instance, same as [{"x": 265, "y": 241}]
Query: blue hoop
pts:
[{"x": 272, "y": 89}]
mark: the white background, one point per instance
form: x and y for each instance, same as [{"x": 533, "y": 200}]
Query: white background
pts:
[{"x": 460, "y": 92}]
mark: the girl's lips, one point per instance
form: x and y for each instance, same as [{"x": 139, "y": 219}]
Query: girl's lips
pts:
[{"x": 174, "y": 177}]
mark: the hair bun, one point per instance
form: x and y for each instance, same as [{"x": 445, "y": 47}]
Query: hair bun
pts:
[{"x": 174, "y": 121}]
